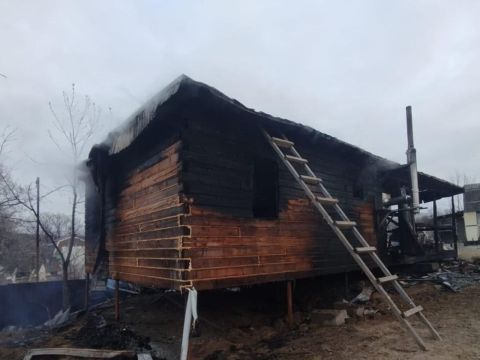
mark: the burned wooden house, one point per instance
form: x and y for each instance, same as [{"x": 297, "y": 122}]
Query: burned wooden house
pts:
[{"x": 189, "y": 192}]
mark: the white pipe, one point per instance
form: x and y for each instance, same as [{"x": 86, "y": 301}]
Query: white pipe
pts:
[
  {"x": 187, "y": 323},
  {"x": 415, "y": 191},
  {"x": 412, "y": 161},
  {"x": 190, "y": 311}
]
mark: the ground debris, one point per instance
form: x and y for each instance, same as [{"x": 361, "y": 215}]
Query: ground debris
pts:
[
  {"x": 254, "y": 327},
  {"x": 364, "y": 296},
  {"x": 456, "y": 281},
  {"x": 454, "y": 276},
  {"x": 329, "y": 317},
  {"x": 60, "y": 319},
  {"x": 367, "y": 310},
  {"x": 79, "y": 353},
  {"x": 96, "y": 333}
]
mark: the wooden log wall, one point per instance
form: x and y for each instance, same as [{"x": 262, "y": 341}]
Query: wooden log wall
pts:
[
  {"x": 180, "y": 212},
  {"x": 144, "y": 237},
  {"x": 228, "y": 246}
]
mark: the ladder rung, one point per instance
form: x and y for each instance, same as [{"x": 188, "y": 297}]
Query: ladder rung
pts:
[
  {"x": 388, "y": 278},
  {"x": 310, "y": 179},
  {"x": 282, "y": 142},
  {"x": 296, "y": 159},
  {"x": 412, "y": 311},
  {"x": 366, "y": 249},
  {"x": 327, "y": 200},
  {"x": 345, "y": 224}
]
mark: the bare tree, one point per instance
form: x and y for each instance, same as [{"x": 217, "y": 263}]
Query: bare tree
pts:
[
  {"x": 57, "y": 224},
  {"x": 7, "y": 212},
  {"x": 72, "y": 131},
  {"x": 6, "y": 136},
  {"x": 24, "y": 196}
]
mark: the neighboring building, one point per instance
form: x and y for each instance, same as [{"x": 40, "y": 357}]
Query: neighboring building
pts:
[
  {"x": 471, "y": 202},
  {"x": 17, "y": 257},
  {"x": 189, "y": 192},
  {"x": 76, "y": 269}
]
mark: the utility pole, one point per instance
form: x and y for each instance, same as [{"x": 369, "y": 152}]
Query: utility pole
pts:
[{"x": 37, "y": 260}]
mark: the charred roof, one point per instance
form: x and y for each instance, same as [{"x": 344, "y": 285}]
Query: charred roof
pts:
[
  {"x": 184, "y": 90},
  {"x": 431, "y": 187}
]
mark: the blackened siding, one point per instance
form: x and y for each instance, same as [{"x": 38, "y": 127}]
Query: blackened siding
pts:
[
  {"x": 228, "y": 246},
  {"x": 178, "y": 209},
  {"x": 93, "y": 224}
]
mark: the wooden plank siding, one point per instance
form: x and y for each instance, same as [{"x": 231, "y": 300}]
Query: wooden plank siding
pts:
[
  {"x": 227, "y": 245},
  {"x": 144, "y": 243}
]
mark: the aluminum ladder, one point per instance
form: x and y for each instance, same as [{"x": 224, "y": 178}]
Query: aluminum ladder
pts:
[{"x": 344, "y": 223}]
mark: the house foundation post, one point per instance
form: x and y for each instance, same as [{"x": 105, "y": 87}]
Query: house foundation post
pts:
[
  {"x": 117, "y": 300},
  {"x": 454, "y": 228},
  {"x": 290, "y": 320},
  {"x": 435, "y": 228},
  {"x": 346, "y": 285},
  {"x": 87, "y": 290}
]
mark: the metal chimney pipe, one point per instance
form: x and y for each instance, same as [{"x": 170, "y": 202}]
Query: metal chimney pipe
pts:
[{"x": 412, "y": 162}]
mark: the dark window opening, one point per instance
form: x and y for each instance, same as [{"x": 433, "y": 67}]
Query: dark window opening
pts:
[
  {"x": 265, "y": 189},
  {"x": 358, "y": 191}
]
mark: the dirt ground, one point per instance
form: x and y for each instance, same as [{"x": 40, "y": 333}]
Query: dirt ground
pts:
[{"x": 248, "y": 324}]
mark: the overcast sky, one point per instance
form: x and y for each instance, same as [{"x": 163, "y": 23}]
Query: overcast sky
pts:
[{"x": 346, "y": 68}]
